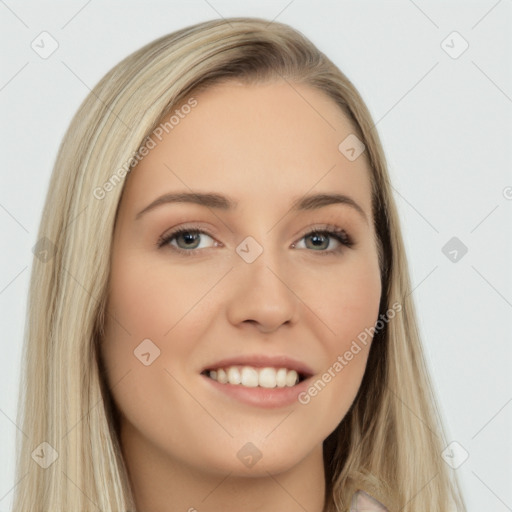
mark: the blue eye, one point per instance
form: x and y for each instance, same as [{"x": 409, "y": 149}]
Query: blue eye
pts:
[
  {"x": 318, "y": 238},
  {"x": 185, "y": 240}
]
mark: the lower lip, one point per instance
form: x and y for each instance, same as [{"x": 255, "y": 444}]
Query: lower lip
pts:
[{"x": 267, "y": 398}]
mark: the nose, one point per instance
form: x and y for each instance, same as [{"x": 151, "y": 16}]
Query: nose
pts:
[{"x": 262, "y": 295}]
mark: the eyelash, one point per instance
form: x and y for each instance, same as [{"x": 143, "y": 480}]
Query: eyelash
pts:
[{"x": 338, "y": 234}]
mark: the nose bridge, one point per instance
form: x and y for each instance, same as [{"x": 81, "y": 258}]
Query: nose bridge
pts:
[
  {"x": 261, "y": 261},
  {"x": 261, "y": 292}
]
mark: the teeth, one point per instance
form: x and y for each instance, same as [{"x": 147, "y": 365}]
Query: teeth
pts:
[
  {"x": 292, "y": 378},
  {"x": 267, "y": 377},
  {"x": 251, "y": 377},
  {"x": 281, "y": 377},
  {"x": 234, "y": 376}
]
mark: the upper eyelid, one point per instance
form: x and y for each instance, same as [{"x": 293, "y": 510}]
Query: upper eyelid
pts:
[{"x": 317, "y": 226}]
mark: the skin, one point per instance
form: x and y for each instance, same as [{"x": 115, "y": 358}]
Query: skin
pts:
[{"x": 263, "y": 145}]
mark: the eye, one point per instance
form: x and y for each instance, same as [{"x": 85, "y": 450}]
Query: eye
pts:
[
  {"x": 321, "y": 239},
  {"x": 186, "y": 240}
]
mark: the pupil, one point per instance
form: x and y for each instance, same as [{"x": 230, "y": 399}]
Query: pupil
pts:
[
  {"x": 317, "y": 238},
  {"x": 189, "y": 237}
]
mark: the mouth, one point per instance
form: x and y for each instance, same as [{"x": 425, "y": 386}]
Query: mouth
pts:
[
  {"x": 258, "y": 380},
  {"x": 268, "y": 377}
]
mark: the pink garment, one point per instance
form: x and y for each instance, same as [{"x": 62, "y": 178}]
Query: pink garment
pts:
[{"x": 363, "y": 502}]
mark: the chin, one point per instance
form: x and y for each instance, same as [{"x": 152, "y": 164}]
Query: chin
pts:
[{"x": 245, "y": 459}]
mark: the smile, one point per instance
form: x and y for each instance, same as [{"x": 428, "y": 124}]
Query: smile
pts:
[{"x": 251, "y": 377}]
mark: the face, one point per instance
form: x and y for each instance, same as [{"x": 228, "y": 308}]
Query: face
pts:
[{"x": 245, "y": 284}]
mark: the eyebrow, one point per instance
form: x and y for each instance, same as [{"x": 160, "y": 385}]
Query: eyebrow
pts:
[{"x": 221, "y": 202}]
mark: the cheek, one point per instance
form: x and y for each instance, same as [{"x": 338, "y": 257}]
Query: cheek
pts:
[
  {"x": 346, "y": 299},
  {"x": 152, "y": 300},
  {"x": 355, "y": 304},
  {"x": 348, "y": 305}
]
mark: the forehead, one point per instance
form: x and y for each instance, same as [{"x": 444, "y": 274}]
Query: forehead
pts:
[{"x": 262, "y": 143}]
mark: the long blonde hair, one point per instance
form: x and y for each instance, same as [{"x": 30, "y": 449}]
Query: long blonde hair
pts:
[{"x": 390, "y": 441}]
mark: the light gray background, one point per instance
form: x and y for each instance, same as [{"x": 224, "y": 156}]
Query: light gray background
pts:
[{"x": 446, "y": 128}]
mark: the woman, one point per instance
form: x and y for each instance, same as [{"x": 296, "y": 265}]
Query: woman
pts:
[{"x": 275, "y": 365}]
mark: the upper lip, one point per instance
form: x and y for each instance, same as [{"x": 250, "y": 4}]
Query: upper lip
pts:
[{"x": 262, "y": 361}]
